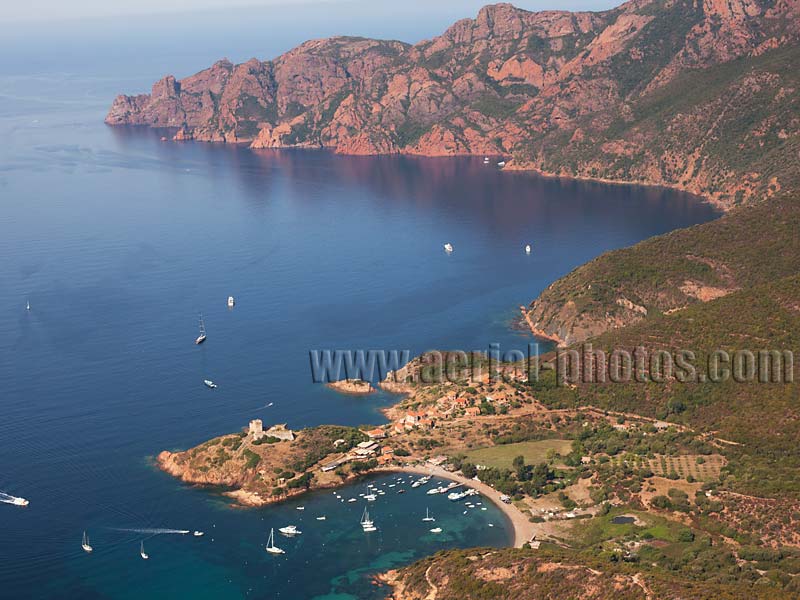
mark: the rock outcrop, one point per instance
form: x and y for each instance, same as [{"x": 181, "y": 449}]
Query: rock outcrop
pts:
[{"x": 638, "y": 93}]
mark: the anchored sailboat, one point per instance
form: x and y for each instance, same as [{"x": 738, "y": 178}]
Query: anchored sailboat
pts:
[
  {"x": 202, "y": 337},
  {"x": 85, "y": 544},
  {"x": 367, "y": 524},
  {"x": 428, "y": 516},
  {"x": 142, "y": 553},
  {"x": 271, "y": 547}
]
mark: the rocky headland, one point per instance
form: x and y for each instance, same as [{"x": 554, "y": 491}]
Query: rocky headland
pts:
[{"x": 696, "y": 95}]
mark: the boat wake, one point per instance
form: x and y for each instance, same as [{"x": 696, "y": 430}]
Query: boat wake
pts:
[
  {"x": 154, "y": 531},
  {"x": 9, "y": 499}
]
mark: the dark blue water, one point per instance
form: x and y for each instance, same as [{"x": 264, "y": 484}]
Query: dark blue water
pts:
[{"x": 119, "y": 240}]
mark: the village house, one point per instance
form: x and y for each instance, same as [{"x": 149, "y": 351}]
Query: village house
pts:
[
  {"x": 472, "y": 411},
  {"x": 366, "y": 449},
  {"x": 413, "y": 417},
  {"x": 376, "y": 434},
  {"x": 425, "y": 423},
  {"x": 387, "y": 450},
  {"x": 462, "y": 402}
]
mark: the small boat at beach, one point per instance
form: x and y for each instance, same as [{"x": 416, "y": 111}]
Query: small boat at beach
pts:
[
  {"x": 502, "y": 163},
  {"x": 202, "y": 337},
  {"x": 428, "y": 517},
  {"x": 198, "y": 534},
  {"x": 210, "y": 384},
  {"x": 231, "y": 302},
  {"x": 436, "y": 530},
  {"x": 142, "y": 553},
  {"x": 290, "y": 530},
  {"x": 271, "y": 547},
  {"x": 85, "y": 544},
  {"x": 448, "y": 248}
]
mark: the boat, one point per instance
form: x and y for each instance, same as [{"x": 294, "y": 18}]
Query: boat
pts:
[
  {"x": 486, "y": 160},
  {"x": 401, "y": 491},
  {"x": 301, "y": 508},
  {"x": 436, "y": 530},
  {"x": 367, "y": 524},
  {"x": 198, "y": 534},
  {"x": 85, "y": 544},
  {"x": 27, "y": 305},
  {"x": 231, "y": 302},
  {"x": 352, "y": 500},
  {"x": 271, "y": 547},
  {"x": 290, "y": 530},
  {"x": 428, "y": 517},
  {"x": 448, "y": 247},
  {"x": 502, "y": 163},
  {"x": 527, "y": 248},
  {"x": 202, "y": 337},
  {"x": 321, "y": 518},
  {"x": 20, "y": 502},
  {"x": 370, "y": 497},
  {"x": 142, "y": 553},
  {"x": 210, "y": 384}
]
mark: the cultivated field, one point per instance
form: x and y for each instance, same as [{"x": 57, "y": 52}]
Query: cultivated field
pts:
[{"x": 534, "y": 452}]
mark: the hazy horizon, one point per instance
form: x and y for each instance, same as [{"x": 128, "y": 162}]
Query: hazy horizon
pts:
[{"x": 54, "y": 11}]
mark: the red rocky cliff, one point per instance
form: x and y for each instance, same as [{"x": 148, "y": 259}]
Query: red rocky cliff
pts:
[{"x": 603, "y": 95}]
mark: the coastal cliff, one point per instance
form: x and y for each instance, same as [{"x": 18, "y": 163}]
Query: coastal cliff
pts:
[
  {"x": 700, "y": 96},
  {"x": 668, "y": 273}
]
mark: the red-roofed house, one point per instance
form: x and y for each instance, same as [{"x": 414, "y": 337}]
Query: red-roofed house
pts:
[{"x": 376, "y": 434}]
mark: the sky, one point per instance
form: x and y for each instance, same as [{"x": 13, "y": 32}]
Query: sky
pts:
[{"x": 55, "y": 10}]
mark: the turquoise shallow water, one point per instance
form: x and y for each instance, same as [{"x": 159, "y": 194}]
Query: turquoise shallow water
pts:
[{"x": 119, "y": 240}]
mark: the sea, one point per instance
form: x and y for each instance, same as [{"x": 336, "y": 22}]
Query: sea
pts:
[{"x": 118, "y": 241}]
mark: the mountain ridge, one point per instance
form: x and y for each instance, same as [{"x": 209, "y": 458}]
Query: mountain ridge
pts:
[{"x": 567, "y": 94}]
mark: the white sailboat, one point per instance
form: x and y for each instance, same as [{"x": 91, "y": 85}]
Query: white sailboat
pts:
[
  {"x": 142, "y": 553},
  {"x": 448, "y": 247},
  {"x": 85, "y": 544},
  {"x": 27, "y": 305},
  {"x": 367, "y": 524},
  {"x": 231, "y": 302},
  {"x": 271, "y": 547},
  {"x": 428, "y": 516},
  {"x": 202, "y": 337},
  {"x": 527, "y": 248}
]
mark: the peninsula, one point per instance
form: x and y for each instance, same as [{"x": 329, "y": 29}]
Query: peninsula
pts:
[{"x": 700, "y": 96}]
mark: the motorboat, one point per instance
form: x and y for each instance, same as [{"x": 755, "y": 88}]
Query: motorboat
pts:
[
  {"x": 290, "y": 530},
  {"x": 209, "y": 384}
]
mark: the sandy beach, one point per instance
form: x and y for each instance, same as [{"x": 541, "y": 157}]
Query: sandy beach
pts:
[{"x": 523, "y": 528}]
